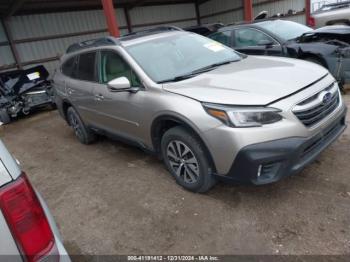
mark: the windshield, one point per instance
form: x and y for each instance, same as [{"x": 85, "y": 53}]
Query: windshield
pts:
[
  {"x": 286, "y": 30},
  {"x": 171, "y": 57}
]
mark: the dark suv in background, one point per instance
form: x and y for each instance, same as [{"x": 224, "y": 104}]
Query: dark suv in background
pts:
[{"x": 329, "y": 47}]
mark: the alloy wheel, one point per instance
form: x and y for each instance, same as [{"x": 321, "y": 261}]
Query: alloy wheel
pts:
[
  {"x": 76, "y": 126},
  {"x": 183, "y": 161}
]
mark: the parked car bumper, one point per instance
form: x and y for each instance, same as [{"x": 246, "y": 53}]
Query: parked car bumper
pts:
[
  {"x": 269, "y": 162},
  {"x": 60, "y": 249}
]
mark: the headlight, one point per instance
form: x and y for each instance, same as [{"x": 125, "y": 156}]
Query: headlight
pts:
[{"x": 243, "y": 116}]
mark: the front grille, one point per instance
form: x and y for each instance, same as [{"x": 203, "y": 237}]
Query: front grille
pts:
[{"x": 313, "y": 110}]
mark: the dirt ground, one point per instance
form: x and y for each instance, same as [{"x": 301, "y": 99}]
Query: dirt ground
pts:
[{"x": 111, "y": 198}]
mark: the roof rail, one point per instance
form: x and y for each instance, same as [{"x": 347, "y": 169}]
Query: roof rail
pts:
[
  {"x": 151, "y": 31},
  {"x": 104, "y": 41}
]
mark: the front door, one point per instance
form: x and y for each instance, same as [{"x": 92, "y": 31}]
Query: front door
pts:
[{"x": 119, "y": 113}]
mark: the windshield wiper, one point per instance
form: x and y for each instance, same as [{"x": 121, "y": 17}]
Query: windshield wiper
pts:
[
  {"x": 212, "y": 66},
  {"x": 197, "y": 72}
]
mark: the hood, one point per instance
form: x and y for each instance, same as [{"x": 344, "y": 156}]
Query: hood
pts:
[{"x": 252, "y": 81}]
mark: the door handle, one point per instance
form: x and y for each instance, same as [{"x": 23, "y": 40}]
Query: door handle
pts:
[{"x": 99, "y": 97}]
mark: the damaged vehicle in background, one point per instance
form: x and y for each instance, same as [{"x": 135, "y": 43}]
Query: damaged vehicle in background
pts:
[
  {"x": 328, "y": 46},
  {"x": 23, "y": 91}
]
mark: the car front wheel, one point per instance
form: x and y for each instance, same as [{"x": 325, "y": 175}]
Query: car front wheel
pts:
[{"x": 186, "y": 159}]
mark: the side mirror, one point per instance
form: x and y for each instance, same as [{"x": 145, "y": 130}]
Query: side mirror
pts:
[
  {"x": 265, "y": 42},
  {"x": 119, "y": 84}
]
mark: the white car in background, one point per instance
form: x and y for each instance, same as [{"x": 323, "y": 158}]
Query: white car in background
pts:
[
  {"x": 332, "y": 14},
  {"x": 27, "y": 229}
]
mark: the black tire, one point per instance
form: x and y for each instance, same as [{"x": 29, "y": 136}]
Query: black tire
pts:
[
  {"x": 84, "y": 134},
  {"x": 202, "y": 170},
  {"x": 4, "y": 117}
]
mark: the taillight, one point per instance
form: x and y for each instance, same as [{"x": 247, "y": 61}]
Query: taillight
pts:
[
  {"x": 311, "y": 21},
  {"x": 26, "y": 219}
]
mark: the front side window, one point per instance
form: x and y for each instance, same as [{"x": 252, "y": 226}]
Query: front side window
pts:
[
  {"x": 113, "y": 66},
  {"x": 222, "y": 37},
  {"x": 168, "y": 57},
  {"x": 247, "y": 37},
  {"x": 86, "y": 67},
  {"x": 69, "y": 68}
]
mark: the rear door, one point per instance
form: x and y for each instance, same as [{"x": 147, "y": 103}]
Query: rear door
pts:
[
  {"x": 80, "y": 85},
  {"x": 252, "y": 41}
]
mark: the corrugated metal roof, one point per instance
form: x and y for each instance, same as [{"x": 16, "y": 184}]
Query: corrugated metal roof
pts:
[
  {"x": 279, "y": 6},
  {"x": 29, "y": 26},
  {"x": 6, "y": 57},
  {"x": 57, "y": 24},
  {"x": 54, "y": 6},
  {"x": 158, "y": 14},
  {"x": 275, "y": 7},
  {"x": 215, "y": 6}
]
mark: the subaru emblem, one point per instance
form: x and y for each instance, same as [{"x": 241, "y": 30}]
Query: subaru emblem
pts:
[{"x": 327, "y": 97}]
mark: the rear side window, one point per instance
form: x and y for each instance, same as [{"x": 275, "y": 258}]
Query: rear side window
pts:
[
  {"x": 86, "y": 67},
  {"x": 69, "y": 67}
]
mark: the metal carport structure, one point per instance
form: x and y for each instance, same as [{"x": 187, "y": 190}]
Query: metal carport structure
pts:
[{"x": 38, "y": 31}]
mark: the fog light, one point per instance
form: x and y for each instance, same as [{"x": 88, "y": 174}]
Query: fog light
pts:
[{"x": 259, "y": 170}]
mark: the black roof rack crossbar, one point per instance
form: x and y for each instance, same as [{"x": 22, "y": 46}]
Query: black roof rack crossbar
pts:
[
  {"x": 104, "y": 41},
  {"x": 150, "y": 31}
]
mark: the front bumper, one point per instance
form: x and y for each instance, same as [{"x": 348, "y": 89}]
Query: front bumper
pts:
[{"x": 269, "y": 162}]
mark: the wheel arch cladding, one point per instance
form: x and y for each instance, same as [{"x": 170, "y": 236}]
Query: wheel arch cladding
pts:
[
  {"x": 65, "y": 105},
  {"x": 163, "y": 123}
]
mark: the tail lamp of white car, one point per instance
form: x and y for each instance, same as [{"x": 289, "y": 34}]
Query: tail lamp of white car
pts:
[{"x": 27, "y": 221}]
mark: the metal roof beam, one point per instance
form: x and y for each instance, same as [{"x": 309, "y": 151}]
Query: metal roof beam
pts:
[
  {"x": 137, "y": 3},
  {"x": 200, "y": 2},
  {"x": 17, "y": 4}
]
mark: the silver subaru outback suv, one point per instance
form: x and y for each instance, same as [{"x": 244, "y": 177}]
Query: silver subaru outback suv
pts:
[{"x": 209, "y": 112}]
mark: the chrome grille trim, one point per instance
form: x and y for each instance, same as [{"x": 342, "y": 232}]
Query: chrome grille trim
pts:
[{"x": 312, "y": 110}]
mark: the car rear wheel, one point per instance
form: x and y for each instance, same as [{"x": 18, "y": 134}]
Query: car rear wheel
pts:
[
  {"x": 4, "y": 117},
  {"x": 186, "y": 159},
  {"x": 84, "y": 134}
]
